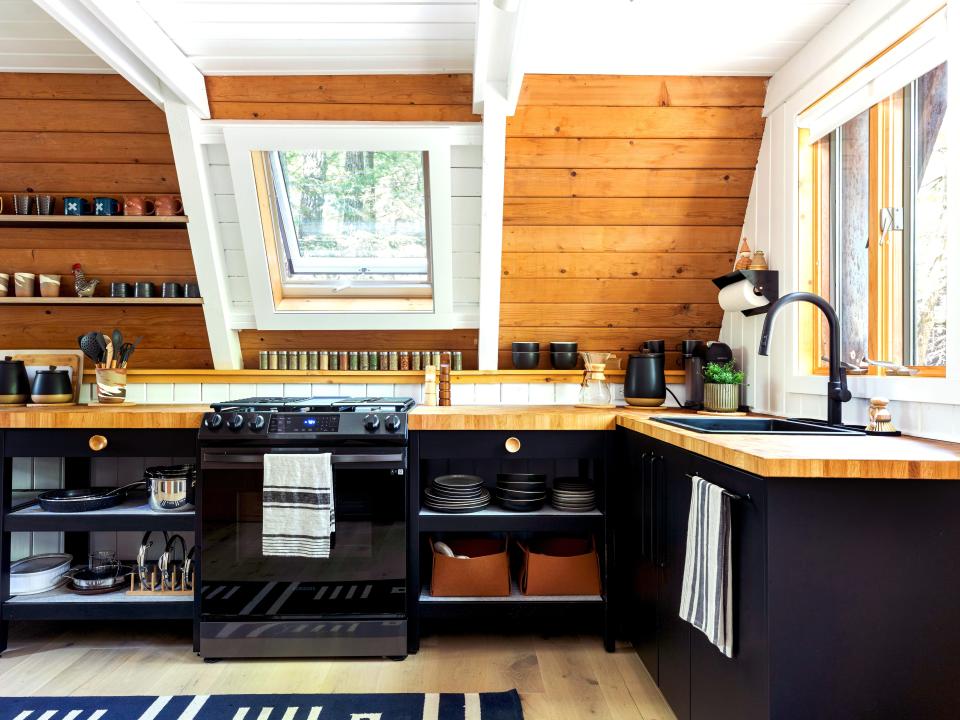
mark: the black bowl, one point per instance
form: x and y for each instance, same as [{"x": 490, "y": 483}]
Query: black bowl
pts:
[
  {"x": 525, "y": 347},
  {"x": 526, "y": 360},
  {"x": 565, "y": 347},
  {"x": 521, "y": 477},
  {"x": 563, "y": 360},
  {"x": 520, "y": 505},
  {"x": 520, "y": 494}
]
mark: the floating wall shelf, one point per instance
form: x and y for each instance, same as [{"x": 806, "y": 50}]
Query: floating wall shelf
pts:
[
  {"x": 99, "y": 301},
  {"x": 100, "y": 221}
]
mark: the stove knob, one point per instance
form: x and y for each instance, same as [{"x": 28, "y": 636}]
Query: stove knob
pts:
[
  {"x": 371, "y": 423},
  {"x": 235, "y": 422},
  {"x": 213, "y": 421},
  {"x": 256, "y": 423},
  {"x": 391, "y": 423}
]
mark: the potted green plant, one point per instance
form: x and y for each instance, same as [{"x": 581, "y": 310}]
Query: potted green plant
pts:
[{"x": 721, "y": 387}]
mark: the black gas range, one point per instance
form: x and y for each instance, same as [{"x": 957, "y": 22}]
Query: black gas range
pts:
[{"x": 353, "y": 603}]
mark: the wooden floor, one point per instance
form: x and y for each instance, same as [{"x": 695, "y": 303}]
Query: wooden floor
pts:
[{"x": 559, "y": 678}]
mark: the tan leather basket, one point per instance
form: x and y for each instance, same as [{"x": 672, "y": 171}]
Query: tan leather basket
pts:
[
  {"x": 485, "y": 573},
  {"x": 560, "y": 566}
]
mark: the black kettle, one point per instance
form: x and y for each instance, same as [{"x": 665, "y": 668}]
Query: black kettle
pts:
[
  {"x": 644, "y": 384},
  {"x": 52, "y": 386},
  {"x": 14, "y": 384}
]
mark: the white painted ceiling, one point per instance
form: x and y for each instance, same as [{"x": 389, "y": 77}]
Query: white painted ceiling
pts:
[
  {"x": 32, "y": 41},
  {"x": 249, "y": 37},
  {"x": 685, "y": 37}
]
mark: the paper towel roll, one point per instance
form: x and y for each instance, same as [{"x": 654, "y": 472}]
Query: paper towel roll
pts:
[{"x": 740, "y": 296}]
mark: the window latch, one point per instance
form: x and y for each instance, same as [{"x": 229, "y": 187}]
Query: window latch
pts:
[{"x": 891, "y": 220}]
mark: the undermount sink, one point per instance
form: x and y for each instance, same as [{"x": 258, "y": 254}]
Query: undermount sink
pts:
[{"x": 753, "y": 426}]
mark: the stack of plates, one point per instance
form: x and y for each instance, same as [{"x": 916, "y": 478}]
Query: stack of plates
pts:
[
  {"x": 456, "y": 494},
  {"x": 573, "y": 495},
  {"x": 521, "y": 492}
]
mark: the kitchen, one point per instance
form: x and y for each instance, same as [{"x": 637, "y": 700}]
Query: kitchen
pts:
[{"x": 204, "y": 193}]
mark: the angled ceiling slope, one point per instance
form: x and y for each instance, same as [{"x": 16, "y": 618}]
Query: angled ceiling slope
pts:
[{"x": 32, "y": 41}]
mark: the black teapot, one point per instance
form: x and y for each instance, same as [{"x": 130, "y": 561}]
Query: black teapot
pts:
[
  {"x": 52, "y": 386},
  {"x": 14, "y": 385}
]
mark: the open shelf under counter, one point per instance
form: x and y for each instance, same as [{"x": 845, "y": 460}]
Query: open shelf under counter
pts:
[
  {"x": 514, "y": 597},
  {"x": 62, "y": 604},
  {"x": 495, "y": 519},
  {"x": 100, "y": 301},
  {"x": 99, "y": 221},
  {"x": 134, "y": 513}
]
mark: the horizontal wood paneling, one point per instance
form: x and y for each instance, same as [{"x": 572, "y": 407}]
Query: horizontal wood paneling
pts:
[
  {"x": 91, "y": 135},
  {"x": 618, "y": 238},
  {"x": 634, "y": 91},
  {"x": 344, "y": 89},
  {"x": 306, "y": 111},
  {"x": 581, "y": 182},
  {"x": 253, "y": 341},
  {"x": 624, "y": 211},
  {"x": 549, "y": 152},
  {"x": 635, "y": 122},
  {"x": 623, "y": 198},
  {"x": 672, "y": 361}
]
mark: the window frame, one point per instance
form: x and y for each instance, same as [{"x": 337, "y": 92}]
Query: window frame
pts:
[{"x": 292, "y": 309}]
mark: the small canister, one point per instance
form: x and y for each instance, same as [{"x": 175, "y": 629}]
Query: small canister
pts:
[
  {"x": 282, "y": 360},
  {"x": 404, "y": 361},
  {"x": 334, "y": 360},
  {"x": 264, "y": 360},
  {"x": 394, "y": 360},
  {"x": 304, "y": 361},
  {"x": 313, "y": 360},
  {"x": 364, "y": 361},
  {"x": 373, "y": 360},
  {"x": 353, "y": 360},
  {"x": 384, "y": 360},
  {"x": 344, "y": 360},
  {"x": 426, "y": 359},
  {"x": 293, "y": 360},
  {"x": 435, "y": 358},
  {"x": 324, "y": 359},
  {"x": 415, "y": 361},
  {"x": 273, "y": 362},
  {"x": 456, "y": 361}
]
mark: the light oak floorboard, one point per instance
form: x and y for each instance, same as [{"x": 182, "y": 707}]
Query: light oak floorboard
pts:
[{"x": 559, "y": 678}]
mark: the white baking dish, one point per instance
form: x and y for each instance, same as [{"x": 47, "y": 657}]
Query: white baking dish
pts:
[{"x": 38, "y": 573}]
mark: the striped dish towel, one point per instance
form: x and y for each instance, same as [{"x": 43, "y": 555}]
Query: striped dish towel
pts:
[
  {"x": 298, "y": 512},
  {"x": 706, "y": 601}
]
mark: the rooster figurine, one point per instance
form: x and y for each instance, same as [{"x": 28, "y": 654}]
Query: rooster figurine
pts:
[{"x": 84, "y": 286}]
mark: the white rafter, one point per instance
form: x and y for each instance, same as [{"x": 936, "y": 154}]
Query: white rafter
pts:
[{"x": 498, "y": 56}]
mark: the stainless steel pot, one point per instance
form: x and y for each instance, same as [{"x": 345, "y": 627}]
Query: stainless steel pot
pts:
[{"x": 171, "y": 487}]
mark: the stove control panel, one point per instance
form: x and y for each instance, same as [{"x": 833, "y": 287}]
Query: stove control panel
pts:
[{"x": 304, "y": 425}]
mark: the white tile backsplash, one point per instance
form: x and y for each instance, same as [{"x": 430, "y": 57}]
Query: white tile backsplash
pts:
[
  {"x": 462, "y": 394},
  {"x": 239, "y": 391},
  {"x": 187, "y": 393},
  {"x": 159, "y": 393},
  {"x": 214, "y": 392},
  {"x": 541, "y": 394},
  {"x": 487, "y": 394},
  {"x": 566, "y": 393},
  {"x": 511, "y": 394}
]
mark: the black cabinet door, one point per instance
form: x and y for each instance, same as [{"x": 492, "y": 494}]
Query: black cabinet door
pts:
[
  {"x": 638, "y": 572},
  {"x": 736, "y": 688},
  {"x": 672, "y": 497}
]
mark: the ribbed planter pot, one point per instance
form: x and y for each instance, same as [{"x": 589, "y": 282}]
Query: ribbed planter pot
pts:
[{"x": 721, "y": 398}]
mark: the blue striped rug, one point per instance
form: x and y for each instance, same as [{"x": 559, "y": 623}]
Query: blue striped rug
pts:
[{"x": 401, "y": 706}]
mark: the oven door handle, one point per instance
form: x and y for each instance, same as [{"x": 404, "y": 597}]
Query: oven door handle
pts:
[{"x": 228, "y": 460}]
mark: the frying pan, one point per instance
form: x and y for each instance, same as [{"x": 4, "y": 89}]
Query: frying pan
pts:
[{"x": 84, "y": 499}]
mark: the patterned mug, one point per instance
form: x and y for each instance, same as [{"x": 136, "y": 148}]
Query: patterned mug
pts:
[
  {"x": 168, "y": 205},
  {"x": 76, "y": 206},
  {"x": 106, "y": 206},
  {"x": 138, "y": 205}
]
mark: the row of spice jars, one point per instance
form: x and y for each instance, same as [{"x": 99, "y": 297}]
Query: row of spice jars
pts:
[{"x": 355, "y": 360}]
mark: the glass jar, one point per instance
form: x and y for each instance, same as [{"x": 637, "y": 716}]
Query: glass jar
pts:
[
  {"x": 373, "y": 361},
  {"x": 334, "y": 360},
  {"x": 384, "y": 360},
  {"x": 404, "y": 361},
  {"x": 415, "y": 361},
  {"x": 303, "y": 360},
  {"x": 282, "y": 360},
  {"x": 293, "y": 360},
  {"x": 364, "y": 361},
  {"x": 264, "y": 360},
  {"x": 456, "y": 361},
  {"x": 323, "y": 359},
  {"x": 353, "y": 360},
  {"x": 273, "y": 362},
  {"x": 394, "y": 360},
  {"x": 344, "y": 359},
  {"x": 313, "y": 360}
]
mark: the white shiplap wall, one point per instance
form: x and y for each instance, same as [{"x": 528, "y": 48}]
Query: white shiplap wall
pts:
[
  {"x": 465, "y": 211},
  {"x": 32, "y": 41},
  {"x": 925, "y": 407}
]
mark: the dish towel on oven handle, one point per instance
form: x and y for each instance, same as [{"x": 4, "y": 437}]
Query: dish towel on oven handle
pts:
[
  {"x": 298, "y": 505},
  {"x": 706, "y": 600}
]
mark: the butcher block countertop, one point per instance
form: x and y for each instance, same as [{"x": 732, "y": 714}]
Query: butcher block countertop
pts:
[{"x": 766, "y": 455}]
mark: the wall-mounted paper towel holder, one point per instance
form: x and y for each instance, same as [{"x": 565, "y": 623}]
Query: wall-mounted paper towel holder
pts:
[{"x": 766, "y": 282}]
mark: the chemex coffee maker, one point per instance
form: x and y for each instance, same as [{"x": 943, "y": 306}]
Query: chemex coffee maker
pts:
[{"x": 694, "y": 355}]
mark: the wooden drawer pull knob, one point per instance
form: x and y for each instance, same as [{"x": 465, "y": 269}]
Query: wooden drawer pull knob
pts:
[
  {"x": 97, "y": 442},
  {"x": 512, "y": 444}
]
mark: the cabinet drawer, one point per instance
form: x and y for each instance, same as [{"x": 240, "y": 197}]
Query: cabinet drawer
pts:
[
  {"x": 525, "y": 445},
  {"x": 112, "y": 443}
]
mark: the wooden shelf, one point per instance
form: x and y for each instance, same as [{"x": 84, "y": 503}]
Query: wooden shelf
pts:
[
  {"x": 134, "y": 513},
  {"x": 114, "y": 221},
  {"x": 515, "y": 596},
  {"x": 499, "y": 520},
  {"x": 61, "y": 604},
  {"x": 98, "y": 301}
]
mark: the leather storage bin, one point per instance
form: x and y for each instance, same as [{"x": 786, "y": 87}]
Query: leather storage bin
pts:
[
  {"x": 486, "y": 572},
  {"x": 560, "y": 566}
]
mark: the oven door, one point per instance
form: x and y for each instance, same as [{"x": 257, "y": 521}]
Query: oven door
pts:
[{"x": 365, "y": 575}]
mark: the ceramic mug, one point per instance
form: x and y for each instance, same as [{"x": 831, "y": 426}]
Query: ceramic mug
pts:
[
  {"x": 119, "y": 289},
  {"x": 23, "y": 283},
  {"x": 76, "y": 206},
  {"x": 44, "y": 204},
  {"x": 168, "y": 205},
  {"x": 106, "y": 206},
  {"x": 171, "y": 290},
  {"x": 21, "y": 204},
  {"x": 143, "y": 290},
  {"x": 138, "y": 205},
  {"x": 49, "y": 285},
  {"x": 4, "y": 284}
]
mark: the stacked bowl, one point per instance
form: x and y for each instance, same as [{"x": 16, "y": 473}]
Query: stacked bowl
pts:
[
  {"x": 521, "y": 492},
  {"x": 456, "y": 494},
  {"x": 526, "y": 355},
  {"x": 563, "y": 355},
  {"x": 573, "y": 494}
]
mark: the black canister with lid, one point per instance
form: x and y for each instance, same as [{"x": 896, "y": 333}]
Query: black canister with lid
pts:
[{"x": 644, "y": 384}]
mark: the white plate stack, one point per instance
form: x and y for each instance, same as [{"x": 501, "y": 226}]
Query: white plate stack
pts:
[{"x": 573, "y": 495}]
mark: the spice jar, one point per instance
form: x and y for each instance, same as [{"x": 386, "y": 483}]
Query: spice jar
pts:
[
  {"x": 282, "y": 360},
  {"x": 364, "y": 361},
  {"x": 373, "y": 361},
  {"x": 394, "y": 360},
  {"x": 303, "y": 360},
  {"x": 435, "y": 358},
  {"x": 293, "y": 360},
  {"x": 384, "y": 360},
  {"x": 334, "y": 360},
  {"x": 415, "y": 361},
  {"x": 456, "y": 361},
  {"x": 272, "y": 360},
  {"x": 324, "y": 360},
  {"x": 353, "y": 361},
  {"x": 264, "y": 360},
  {"x": 404, "y": 361},
  {"x": 313, "y": 360},
  {"x": 344, "y": 359}
]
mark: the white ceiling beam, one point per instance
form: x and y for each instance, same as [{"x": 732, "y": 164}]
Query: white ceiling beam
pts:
[
  {"x": 138, "y": 31},
  {"x": 186, "y": 134},
  {"x": 88, "y": 28},
  {"x": 498, "y": 55}
]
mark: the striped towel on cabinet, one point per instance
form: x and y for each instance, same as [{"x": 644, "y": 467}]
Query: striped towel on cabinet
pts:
[
  {"x": 706, "y": 600},
  {"x": 298, "y": 510}
]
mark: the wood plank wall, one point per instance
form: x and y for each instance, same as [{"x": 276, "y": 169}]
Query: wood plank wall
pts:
[
  {"x": 623, "y": 197},
  {"x": 445, "y": 98},
  {"x": 93, "y": 135}
]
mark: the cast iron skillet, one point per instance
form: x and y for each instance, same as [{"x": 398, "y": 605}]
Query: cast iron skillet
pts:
[{"x": 84, "y": 499}]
